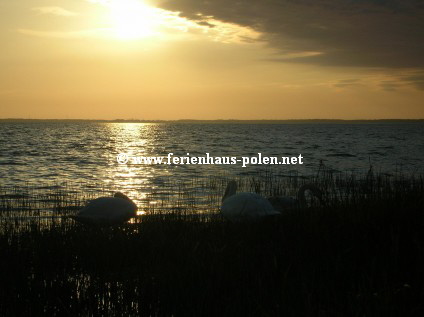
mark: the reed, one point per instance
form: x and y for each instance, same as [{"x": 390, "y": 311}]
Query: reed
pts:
[{"x": 361, "y": 254}]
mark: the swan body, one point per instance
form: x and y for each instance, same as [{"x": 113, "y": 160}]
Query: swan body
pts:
[
  {"x": 245, "y": 206},
  {"x": 107, "y": 211},
  {"x": 281, "y": 203},
  {"x": 284, "y": 203}
]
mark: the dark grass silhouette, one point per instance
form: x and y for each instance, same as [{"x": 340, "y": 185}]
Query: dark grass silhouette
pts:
[{"x": 362, "y": 254}]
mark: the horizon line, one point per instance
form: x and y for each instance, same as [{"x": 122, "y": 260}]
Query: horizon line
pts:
[{"x": 212, "y": 120}]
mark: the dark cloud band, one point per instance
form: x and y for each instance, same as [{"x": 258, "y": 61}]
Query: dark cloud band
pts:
[{"x": 362, "y": 33}]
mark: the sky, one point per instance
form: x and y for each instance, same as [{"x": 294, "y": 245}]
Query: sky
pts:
[{"x": 216, "y": 59}]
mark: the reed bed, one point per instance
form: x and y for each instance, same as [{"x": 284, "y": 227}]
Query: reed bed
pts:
[{"x": 361, "y": 253}]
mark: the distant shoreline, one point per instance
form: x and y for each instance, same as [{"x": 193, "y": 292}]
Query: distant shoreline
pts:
[{"x": 221, "y": 121}]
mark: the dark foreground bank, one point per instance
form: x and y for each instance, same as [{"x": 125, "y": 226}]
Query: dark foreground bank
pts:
[{"x": 361, "y": 254}]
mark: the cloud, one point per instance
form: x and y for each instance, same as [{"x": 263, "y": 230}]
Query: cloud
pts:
[
  {"x": 64, "y": 34},
  {"x": 171, "y": 22},
  {"x": 362, "y": 33},
  {"x": 401, "y": 79},
  {"x": 416, "y": 79},
  {"x": 345, "y": 83},
  {"x": 55, "y": 11},
  {"x": 390, "y": 85}
]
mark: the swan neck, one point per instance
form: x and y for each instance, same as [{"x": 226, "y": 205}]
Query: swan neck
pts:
[{"x": 230, "y": 190}]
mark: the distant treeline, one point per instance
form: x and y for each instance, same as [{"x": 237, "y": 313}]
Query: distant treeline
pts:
[{"x": 264, "y": 121}]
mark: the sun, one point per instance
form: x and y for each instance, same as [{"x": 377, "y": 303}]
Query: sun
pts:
[{"x": 132, "y": 19}]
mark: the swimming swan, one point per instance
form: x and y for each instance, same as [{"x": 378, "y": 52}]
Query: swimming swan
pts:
[
  {"x": 283, "y": 203},
  {"x": 107, "y": 210},
  {"x": 244, "y": 206}
]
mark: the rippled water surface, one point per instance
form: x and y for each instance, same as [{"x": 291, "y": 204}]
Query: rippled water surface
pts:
[{"x": 84, "y": 153}]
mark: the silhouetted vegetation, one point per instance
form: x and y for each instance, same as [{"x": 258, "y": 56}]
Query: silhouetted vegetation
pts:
[{"x": 360, "y": 254}]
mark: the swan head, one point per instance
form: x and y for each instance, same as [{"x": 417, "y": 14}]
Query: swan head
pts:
[{"x": 315, "y": 190}]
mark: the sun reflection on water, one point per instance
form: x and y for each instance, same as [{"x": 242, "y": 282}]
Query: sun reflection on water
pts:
[{"x": 132, "y": 139}]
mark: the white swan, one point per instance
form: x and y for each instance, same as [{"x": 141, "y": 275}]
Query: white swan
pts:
[
  {"x": 245, "y": 206},
  {"x": 107, "y": 210},
  {"x": 283, "y": 203}
]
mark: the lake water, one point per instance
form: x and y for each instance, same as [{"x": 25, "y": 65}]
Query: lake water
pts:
[{"x": 83, "y": 154}]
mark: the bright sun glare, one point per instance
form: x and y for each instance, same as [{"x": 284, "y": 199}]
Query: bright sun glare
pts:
[
  {"x": 136, "y": 19},
  {"x": 133, "y": 19}
]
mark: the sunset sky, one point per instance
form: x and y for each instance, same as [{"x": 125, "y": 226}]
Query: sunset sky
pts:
[{"x": 217, "y": 59}]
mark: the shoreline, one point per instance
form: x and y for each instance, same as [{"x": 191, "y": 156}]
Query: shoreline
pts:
[{"x": 221, "y": 121}]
